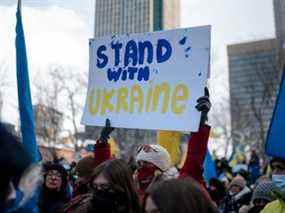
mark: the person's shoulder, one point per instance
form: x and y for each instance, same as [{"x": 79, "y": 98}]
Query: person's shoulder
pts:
[
  {"x": 78, "y": 202},
  {"x": 274, "y": 206}
]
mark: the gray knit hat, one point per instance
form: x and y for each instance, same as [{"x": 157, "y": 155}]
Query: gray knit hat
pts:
[{"x": 264, "y": 190}]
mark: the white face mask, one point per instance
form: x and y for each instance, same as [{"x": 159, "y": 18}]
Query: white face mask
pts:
[{"x": 279, "y": 181}]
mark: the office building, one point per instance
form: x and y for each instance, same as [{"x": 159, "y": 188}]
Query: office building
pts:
[{"x": 253, "y": 80}]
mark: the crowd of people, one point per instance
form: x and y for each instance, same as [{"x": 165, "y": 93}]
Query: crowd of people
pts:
[{"x": 149, "y": 184}]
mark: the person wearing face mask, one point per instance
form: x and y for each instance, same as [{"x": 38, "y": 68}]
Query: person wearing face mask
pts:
[
  {"x": 278, "y": 178},
  {"x": 54, "y": 192},
  {"x": 154, "y": 165},
  {"x": 238, "y": 195},
  {"x": 85, "y": 167},
  {"x": 114, "y": 189},
  {"x": 154, "y": 161}
]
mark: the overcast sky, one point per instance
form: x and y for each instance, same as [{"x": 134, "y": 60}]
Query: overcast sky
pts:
[{"x": 57, "y": 32}]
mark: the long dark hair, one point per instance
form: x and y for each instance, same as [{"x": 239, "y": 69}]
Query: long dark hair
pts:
[
  {"x": 119, "y": 176},
  {"x": 180, "y": 195}
]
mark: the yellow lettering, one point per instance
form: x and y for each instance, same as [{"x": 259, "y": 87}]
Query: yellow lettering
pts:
[
  {"x": 180, "y": 94},
  {"x": 161, "y": 89},
  {"x": 136, "y": 96},
  {"x": 107, "y": 96},
  {"x": 155, "y": 98},
  {"x": 148, "y": 98},
  {"x": 122, "y": 99},
  {"x": 94, "y": 108}
]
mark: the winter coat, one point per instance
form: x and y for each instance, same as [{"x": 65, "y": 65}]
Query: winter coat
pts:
[
  {"x": 232, "y": 203},
  {"x": 254, "y": 169},
  {"x": 80, "y": 203},
  {"x": 277, "y": 206},
  {"x": 52, "y": 205}
]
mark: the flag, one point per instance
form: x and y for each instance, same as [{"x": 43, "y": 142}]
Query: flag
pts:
[
  {"x": 209, "y": 167},
  {"x": 24, "y": 95},
  {"x": 170, "y": 140},
  {"x": 275, "y": 145}
]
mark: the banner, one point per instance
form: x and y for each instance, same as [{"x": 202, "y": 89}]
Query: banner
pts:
[
  {"x": 275, "y": 145},
  {"x": 148, "y": 80}
]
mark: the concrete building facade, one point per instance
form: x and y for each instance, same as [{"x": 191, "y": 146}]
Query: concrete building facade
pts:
[
  {"x": 279, "y": 19},
  {"x": 253, "y": 80},
  {"x": 135, "y": 16}
]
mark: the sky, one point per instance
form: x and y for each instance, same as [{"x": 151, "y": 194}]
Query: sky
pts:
[{"x": 57, "y": 32}]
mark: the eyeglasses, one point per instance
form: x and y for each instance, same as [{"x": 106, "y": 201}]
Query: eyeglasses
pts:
[
  {"x": 53, "y": 173},
  {"x": 104, "y": 186}
]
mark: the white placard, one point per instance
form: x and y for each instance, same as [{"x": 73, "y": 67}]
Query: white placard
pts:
[{"x": 148, "y": 80}]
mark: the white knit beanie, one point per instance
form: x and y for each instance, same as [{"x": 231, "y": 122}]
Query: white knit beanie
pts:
[{"x": 156, "y": 155}]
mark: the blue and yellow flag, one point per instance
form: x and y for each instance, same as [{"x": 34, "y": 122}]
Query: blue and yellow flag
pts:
[
  {"x": 24, "y": 95},
  {"x": 275, "y": 145}
]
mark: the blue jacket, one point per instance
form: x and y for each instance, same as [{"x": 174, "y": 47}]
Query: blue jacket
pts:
[{"x": 13, "y": 206}]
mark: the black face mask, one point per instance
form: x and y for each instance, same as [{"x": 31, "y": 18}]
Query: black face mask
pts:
[{"x": 109, "y": 201}]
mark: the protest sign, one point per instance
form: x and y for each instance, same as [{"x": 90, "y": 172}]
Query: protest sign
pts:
[{"x": 148, "y": 80}]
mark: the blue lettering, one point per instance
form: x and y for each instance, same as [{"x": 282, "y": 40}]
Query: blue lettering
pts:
[
  {"x": 143, "y": 73},
  {"x": 102, "y": 59},
  {"x": 132, "y": 71},
  {"x": 145, "y": 45},
  {"x": 162, "y": 55},
  {"x": 117, "y": 47},
  {"x": 124, "y": 75},
  {"x": 114, "y": 75},
  {"x": 131, "y": 53}
]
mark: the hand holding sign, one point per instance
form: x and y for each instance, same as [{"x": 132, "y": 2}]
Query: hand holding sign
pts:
[
  {"x": 204, "y": 106},
  {"x": 106, "y": 131}
]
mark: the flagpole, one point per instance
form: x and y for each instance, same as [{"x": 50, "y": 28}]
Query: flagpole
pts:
[{"x": 20, "y": 5}]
